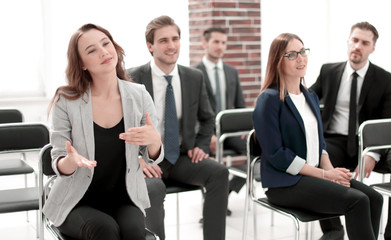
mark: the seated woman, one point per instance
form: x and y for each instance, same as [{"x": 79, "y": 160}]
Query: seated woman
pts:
[
  {"x": 101, "y": 122},
  {"x": 295, "y": 166}
]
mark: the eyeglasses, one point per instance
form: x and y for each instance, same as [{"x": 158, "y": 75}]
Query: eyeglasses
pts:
[{"x": 293, "y": 55}]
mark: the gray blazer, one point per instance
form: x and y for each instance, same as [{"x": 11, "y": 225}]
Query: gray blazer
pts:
[{"x": 72, "y": 121}]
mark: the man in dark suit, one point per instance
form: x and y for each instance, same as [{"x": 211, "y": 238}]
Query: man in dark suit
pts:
[
  {"x": 224, "y": 90},
  {"x": 341, "y": 116},
  {"x": 180, "y": 91}
]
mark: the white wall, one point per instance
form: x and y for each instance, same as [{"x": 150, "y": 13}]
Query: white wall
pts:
[
  {"x": 35, "y": 41},
  {"x": 324, "y": 26}
]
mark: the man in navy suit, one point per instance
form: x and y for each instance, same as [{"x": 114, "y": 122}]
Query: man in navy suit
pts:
[
  {"x": 187, "y": 161},
  {"x": 224, "y": 90},
  {"x": 372, "y": 101}
]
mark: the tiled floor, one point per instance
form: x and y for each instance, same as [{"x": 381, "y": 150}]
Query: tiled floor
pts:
[{"x": 13, "y": 226}]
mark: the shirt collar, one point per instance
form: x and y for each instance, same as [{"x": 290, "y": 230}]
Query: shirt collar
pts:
[
  {"x": 361, "y": 72},
  {"x": 158, "y": 72},
  {"x": 211, "y": 65}
]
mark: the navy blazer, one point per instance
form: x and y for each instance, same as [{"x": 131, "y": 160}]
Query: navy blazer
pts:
[{"x": 281, "y": 134}]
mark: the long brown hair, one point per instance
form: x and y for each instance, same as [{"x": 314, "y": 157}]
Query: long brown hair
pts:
[
  {"x": 274, "y": 64},
  {"x": 78, "y": 79}
]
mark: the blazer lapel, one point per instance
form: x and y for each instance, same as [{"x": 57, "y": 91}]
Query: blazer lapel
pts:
[
  {"x": 186, "y": 93},
  {"x": 313, "y": 105},
  {"x": 208, "y": 87},
  {"x": 335, "y": 83},
  {"x": 147, "y": 78},
  {"x": 296, "y": 113},
  {"x": 366, "y": 86},
  {"x": 127, "y": 106},
  {"x": 88, "y": 123}
]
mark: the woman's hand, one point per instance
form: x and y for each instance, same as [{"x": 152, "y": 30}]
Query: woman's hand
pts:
[
  {"x": 339, "y": 175},
  {"x": 73, "y": 160},
  {"x": 145, "y": 135}
]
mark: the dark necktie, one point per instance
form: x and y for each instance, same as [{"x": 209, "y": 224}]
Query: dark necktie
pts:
[
  {"x": 171, "y": 132},
  {"x": 218, "y": 91},
  {"x": 352, "y": 141}
]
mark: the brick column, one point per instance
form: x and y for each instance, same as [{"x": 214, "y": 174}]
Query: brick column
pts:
[{"x": 242, "y": 21}]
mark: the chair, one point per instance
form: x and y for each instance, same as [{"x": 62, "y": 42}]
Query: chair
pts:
[
  {"x": 374, "y": 135},
  {"x": 20, "y": 138},
  {"x": 232, "y": 123},
  {"x": 45, "y": 169},
  {"x": 178, "y": 187},
  {"x": 9, "y": 115},
  {"x": 13, "y": 166},
  {"x": 297, "y": 215}
]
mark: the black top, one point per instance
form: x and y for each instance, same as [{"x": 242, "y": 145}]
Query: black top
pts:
[{"x": 108, "y": 183}]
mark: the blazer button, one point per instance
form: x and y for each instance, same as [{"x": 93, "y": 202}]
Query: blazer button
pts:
[{"x": 128, "y": 170}]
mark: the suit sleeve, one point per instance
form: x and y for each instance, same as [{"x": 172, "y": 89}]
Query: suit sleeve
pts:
[
  {"x": 317, "y": 86},
  {"x": 60, "y": 132},
  {"x": 266, "y": 123},
  {"x": 206, "y": 119},
  {"x": 239, "y": 100}
]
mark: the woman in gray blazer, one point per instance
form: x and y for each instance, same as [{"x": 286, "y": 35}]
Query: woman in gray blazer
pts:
[{"x": 100, "y": 125}]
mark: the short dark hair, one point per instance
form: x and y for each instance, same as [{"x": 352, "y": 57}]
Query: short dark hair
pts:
[
  {"x": 366, "y": 26},
  {"x": 208, "y": 32}
]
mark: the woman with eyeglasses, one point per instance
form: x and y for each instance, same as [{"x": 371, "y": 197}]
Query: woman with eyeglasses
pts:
[{"x": 295, "y": 167}]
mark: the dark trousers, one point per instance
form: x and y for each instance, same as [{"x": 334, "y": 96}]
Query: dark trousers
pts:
[
  {"x": 337, "y": 150},
  {"x": 209, "y": 174},
  {"x": 360, "y": 204},
  {"x": 121, "y": 222},
  {"x": 238, "y": 145}
]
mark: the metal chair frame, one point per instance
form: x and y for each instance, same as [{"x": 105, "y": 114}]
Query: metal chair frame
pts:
[
  {"x": 374, "y": 135},
  {"x": 22, "y": 138},
  {"x": 297, "y": 215},
  {"x": 232, "y": 123}
]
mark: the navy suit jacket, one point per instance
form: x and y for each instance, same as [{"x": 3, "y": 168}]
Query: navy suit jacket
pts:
[
  {"x": 281, "y": 134},
  {"x": 195, "y": 105},
  {"x": 233, "y": 94}
]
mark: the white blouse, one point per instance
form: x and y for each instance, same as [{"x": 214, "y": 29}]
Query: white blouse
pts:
[{"x": 310, "y": 126}]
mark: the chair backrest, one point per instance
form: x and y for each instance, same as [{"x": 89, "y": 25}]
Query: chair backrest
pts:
[
  {"x": 253, "y": 148},
  {"x": 46, "y": 161},
  {"x": 253, "y": 159},
  {"x": 372, "y": 135},
  {"x": 231, "y": 123},
  {"x": 9, "y": 115},
  {"x": 234, "y": 120},
  {"x": 23, "y": 137}
]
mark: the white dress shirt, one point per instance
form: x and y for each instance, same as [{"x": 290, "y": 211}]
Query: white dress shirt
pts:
[
  {"x": 339, "y": 122},
  {"x": 210, "y": 69}
]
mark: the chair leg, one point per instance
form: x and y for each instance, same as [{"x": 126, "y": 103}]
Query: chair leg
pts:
[
  {"x": 177, "y": 216},
  {"x": 255, "y": 221},
  {"x": 297, "y": 225},
  {"x": 245, "y": 218}
]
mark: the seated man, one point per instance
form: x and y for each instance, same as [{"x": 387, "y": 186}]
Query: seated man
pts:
[
  {"x": 224, "y": 91},
  {"x": 180, "y": 99}
]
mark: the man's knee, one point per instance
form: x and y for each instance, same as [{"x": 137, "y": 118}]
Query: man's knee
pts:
[{"x": 156, "y": 189}]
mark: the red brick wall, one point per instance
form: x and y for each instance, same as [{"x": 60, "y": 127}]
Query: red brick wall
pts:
[{"x": 242, "y": 21}]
